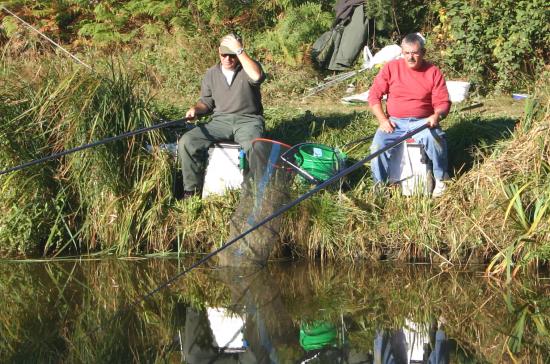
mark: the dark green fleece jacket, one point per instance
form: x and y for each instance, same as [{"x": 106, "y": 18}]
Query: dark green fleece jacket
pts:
[{"x": 242, "y": 97}]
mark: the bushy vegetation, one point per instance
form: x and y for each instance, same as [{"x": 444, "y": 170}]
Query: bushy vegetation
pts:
[
  {"x": 500, "y": 44},
  {"x": 289, "y": 40},
  {"x": 147, "y": 58},
  {"x": 494, "y": 44}
]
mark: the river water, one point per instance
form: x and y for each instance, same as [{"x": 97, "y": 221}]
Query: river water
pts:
[{"x": 98, "y": 311}]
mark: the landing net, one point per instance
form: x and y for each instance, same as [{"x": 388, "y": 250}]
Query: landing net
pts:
[{"x": 265, "y": 189}]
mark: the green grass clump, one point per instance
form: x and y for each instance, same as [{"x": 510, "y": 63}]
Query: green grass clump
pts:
[{"x": 82, "y": 193}]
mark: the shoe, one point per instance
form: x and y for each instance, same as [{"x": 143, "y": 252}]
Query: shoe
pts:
[
  {"x": 439, "y": 188},
  {"x": 189, "y": 194}
]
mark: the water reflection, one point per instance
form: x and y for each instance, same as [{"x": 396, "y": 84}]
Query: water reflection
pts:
[
  {"x": 256, "y": 328},
  {"x": 253, "y": 328},
  {"x": 285, "y": 313},
  {"x": 410, "y": 345}
]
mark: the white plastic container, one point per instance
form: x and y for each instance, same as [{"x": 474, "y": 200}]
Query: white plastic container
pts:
[
  {"x": 222, "y": 172},
  {"x": 386, "y": 54},
  {"x": 458, "y": 90},
  {"x": 410, "y": 169}
]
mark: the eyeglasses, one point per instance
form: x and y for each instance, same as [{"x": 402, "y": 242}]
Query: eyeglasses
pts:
[
  {"x": 415, "y": 53},
  {"x": 228, "y": 55}
]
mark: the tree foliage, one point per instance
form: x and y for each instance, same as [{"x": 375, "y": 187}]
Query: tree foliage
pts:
[
  {"x": 494, "y": 42},
  {"x": 480, "y": 40},
  {"x": 289, "y": 38},
  {"x": 111, "y": 21}
]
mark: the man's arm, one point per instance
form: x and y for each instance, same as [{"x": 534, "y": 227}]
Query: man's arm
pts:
[
  {"x": 200, "y": 108},
  {"x": 205, "y": 105},
  {"x": 251, "y": 67},
  {"x": 440, "y": 100},
  {"x": 380, "y": 87}
]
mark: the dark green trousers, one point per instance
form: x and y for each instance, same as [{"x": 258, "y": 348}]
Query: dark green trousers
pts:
[{"x": 193, "y": 145}]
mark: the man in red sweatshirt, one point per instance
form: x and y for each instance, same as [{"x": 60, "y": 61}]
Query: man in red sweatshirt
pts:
[{"x": 417, "y": 94}]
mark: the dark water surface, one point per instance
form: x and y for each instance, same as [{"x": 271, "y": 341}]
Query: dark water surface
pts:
[{"x": 80, "y": 312}]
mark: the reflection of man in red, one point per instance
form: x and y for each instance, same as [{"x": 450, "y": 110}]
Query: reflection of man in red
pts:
[{"x": 417, "y": 94}]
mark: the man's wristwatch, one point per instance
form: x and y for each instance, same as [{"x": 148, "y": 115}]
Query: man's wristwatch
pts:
[{"x": 239, "y": 51}]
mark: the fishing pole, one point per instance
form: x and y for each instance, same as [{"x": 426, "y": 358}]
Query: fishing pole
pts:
[
  {"x": 277, "y": 213},
  {"x": 47, "y": 38},
  {"x": 178, "y": 122},
  {"x": 357, "y": 142}
]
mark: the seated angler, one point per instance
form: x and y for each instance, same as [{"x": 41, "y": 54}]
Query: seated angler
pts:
[
  {"x": 230, "y": 91},
  {"x": 417, "y": 94}
]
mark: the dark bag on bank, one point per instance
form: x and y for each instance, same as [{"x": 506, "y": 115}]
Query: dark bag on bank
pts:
[
  {"x": 323, "y": 48},
  {"x": 338, "y": 48}
]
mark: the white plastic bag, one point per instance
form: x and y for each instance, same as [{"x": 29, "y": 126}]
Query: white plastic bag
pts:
[{"x": 386, "y": 54}]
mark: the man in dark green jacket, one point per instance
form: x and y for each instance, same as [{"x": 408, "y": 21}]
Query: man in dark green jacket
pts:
[{"x": 231, "y": 92}]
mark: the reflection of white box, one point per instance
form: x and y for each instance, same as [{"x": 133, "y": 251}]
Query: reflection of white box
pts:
[
  {"x": 222, "y": 172},
  {"x": 227, "y": 329},
  {"x": 410, "y": 168},
  {"x": 416, "y": 336}
]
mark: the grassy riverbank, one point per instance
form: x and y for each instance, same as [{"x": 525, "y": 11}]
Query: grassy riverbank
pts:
[{"x": 116, "y": 199}]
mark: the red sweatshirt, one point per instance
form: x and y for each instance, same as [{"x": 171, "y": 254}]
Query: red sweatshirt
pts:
[{"x": 411, "y": 93}]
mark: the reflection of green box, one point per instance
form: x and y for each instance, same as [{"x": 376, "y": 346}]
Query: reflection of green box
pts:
[
  {"x": 317, "y": 335},
  {"x": 320, "y": 161}
]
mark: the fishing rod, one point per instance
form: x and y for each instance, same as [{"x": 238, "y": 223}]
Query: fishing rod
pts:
[
  {"x": 178, "y": 122},
  {"x": 47, "y": 38},
  {"x": 355, "y": 143},
  {"x": 277, "y": 213}
]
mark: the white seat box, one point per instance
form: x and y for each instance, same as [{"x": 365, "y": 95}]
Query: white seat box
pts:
[
  {"x": 222, "y": 171},
  {"x": 410, "y": 168}
]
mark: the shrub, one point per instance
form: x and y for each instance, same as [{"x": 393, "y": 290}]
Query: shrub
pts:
[
  {"x": 299, "y": 27},
  {"x": 493, "y": 42}
]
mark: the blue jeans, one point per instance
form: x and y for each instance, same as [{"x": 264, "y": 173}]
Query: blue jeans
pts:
[{"x": 433, "y": 140}]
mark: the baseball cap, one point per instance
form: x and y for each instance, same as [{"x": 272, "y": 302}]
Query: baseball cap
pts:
[{"x": 224, "y": 49}]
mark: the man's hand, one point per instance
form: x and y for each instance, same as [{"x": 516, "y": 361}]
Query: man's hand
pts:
[
  {"x": 387, "y": 125},
  {"x": 196, "y": 111},
  {"x": 252, "y": 69},
  {"x": 434, "y": 119},
  {"x": 231, "y": 42},
  {"x": 191, "y": 113}
]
